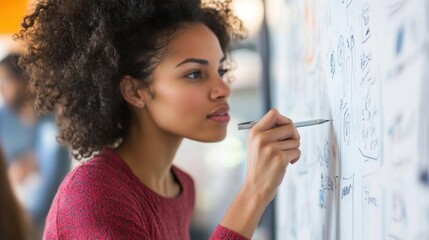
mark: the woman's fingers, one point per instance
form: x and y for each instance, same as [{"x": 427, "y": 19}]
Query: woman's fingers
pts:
[
  {"x": 271, "y": 120},
  {"x": 287, "y": 145},
  {"x": 275, "y": 147},
  {"x": 287, "y": 150},
  {"x": 281, "y": 133},
  {"x": 273, "y": 143},
  {"x": 283, "y": 158},
  {"x": 276, "y": 127},
  {"x": 291, "y": 156}
]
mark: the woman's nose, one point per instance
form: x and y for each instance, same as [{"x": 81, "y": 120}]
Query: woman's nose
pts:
[{"x": 220, "y": 89}]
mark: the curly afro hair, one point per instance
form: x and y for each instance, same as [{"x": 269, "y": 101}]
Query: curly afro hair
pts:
[{"x": 79, "y": 50}]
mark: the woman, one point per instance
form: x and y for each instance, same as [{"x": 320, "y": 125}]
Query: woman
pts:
[{"x": 132, "y": 79}]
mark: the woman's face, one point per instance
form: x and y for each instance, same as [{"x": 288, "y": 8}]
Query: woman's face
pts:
[
  {"x": 190, "y": 94},
  {"x": 12, "y": 90}
]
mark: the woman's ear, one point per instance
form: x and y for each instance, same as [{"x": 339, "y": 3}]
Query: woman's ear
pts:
[{"x": 132, "y": 91}]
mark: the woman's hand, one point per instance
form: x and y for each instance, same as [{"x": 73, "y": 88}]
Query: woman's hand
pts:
[{"x": 272, "y": 144}]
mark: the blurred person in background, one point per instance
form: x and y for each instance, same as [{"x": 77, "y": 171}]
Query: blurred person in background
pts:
[
  {"x": 36, "y": 162},
  {"x": 12, "y": 217}
]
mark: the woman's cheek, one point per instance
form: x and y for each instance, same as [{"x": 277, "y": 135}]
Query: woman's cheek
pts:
[{"x": 193, "y": 101}]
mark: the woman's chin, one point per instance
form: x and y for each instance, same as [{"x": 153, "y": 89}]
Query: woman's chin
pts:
[{"x": 210, "y": 139}]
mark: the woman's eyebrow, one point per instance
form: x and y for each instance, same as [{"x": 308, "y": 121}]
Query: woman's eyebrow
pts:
[
  {"x": 193, "y": 60},
  {"x": 198, "y": 60}
]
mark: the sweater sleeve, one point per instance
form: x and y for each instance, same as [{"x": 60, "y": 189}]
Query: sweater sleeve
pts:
[{"x": 223, "y": 233}]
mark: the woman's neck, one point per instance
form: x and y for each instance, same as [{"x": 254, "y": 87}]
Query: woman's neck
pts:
[{"x": 149, "y": 152}]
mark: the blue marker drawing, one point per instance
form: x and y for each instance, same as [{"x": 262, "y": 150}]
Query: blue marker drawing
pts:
[{"x": 400, "y": 41}]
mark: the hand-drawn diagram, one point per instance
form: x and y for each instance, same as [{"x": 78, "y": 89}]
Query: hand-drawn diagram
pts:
[
  {"x": 347, "y": 212},
  {"x": 369, "y": 145},
  {"x": 341, "y": 51},
  {"x": 346, "y": 2},
  {"x": 324, "y": 154},
  {"x": 365, "y": 65},
  {"x": 399, "y": 41},
  {"x": 372, "y": 207},
  {"x": 399, "y": 133},
  {"x": 333, "y": 67},
  {"x": 396, "y": 212},
  {"x": 328, "y": 187},
  {"x": 369, "y": 115},
  {"x": 346, "y": 122},
  {"x": 348, "y": 83},
  {"x": 366, "y": 33}
]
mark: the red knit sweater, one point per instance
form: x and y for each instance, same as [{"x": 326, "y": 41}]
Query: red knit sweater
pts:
[{"x": 103, "y": 199}]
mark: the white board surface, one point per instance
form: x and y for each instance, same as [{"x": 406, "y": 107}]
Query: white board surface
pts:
[{"x": 365, "y": 65}]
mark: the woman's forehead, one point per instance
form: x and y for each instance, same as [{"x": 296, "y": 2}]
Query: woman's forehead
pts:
[{"x": 195, "y": 41}]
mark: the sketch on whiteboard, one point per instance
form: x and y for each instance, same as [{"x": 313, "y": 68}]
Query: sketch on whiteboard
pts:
[
  {"x": 369, "y": 144},
  {"x": 351, "y": 45},
  {"x": 346, "y": 122},
  {"x": 369, "y": 198},
  {"x": 347, "y": 213},
  {"x": 341, "y": 51},
  {"x": 327, "y": 186},
  {"x": 371, "y": 206},
  {"x": 347, "y": 190},
  {"x": 324, "y": 154},
  {"x": 398, "y": 134},
  {"x": 365, "y": 64},
  {"x": 395, "y": 6},
  {"x": 349, "y": 79},
  {"x": 399, "y": 41},
  {"x": 332, "y": 63},
  {"x": 424, "y": 175},
  {"x": 347, "y": 2},
  {"x": 366, "y": 33},
  {"x": 396, "y": 213}
]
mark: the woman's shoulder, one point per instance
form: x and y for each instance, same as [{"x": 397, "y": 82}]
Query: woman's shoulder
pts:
[
  {"x": 98, "y": 187},
  {"x": 94, "y": 195},
  {"x": 98, "y": 176}
]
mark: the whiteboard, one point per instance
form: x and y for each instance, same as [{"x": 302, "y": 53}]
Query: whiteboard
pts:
[{"x": 365, "y": 65}]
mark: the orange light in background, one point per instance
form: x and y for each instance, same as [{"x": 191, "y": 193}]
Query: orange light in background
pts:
[{"x": 11, "y": 15}]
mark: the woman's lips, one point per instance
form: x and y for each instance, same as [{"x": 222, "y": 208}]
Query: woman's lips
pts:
[
  {"x": 220, "y": 115},
  {"x": 222, "y": 118}
]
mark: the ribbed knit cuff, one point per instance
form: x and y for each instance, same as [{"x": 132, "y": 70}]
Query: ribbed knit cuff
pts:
[{"x": 223, "y": 233}]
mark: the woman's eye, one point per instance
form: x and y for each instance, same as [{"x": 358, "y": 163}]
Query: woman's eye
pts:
[
  {"x": 194, "y": 75},
  {"x": 222, "y": 72}
]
